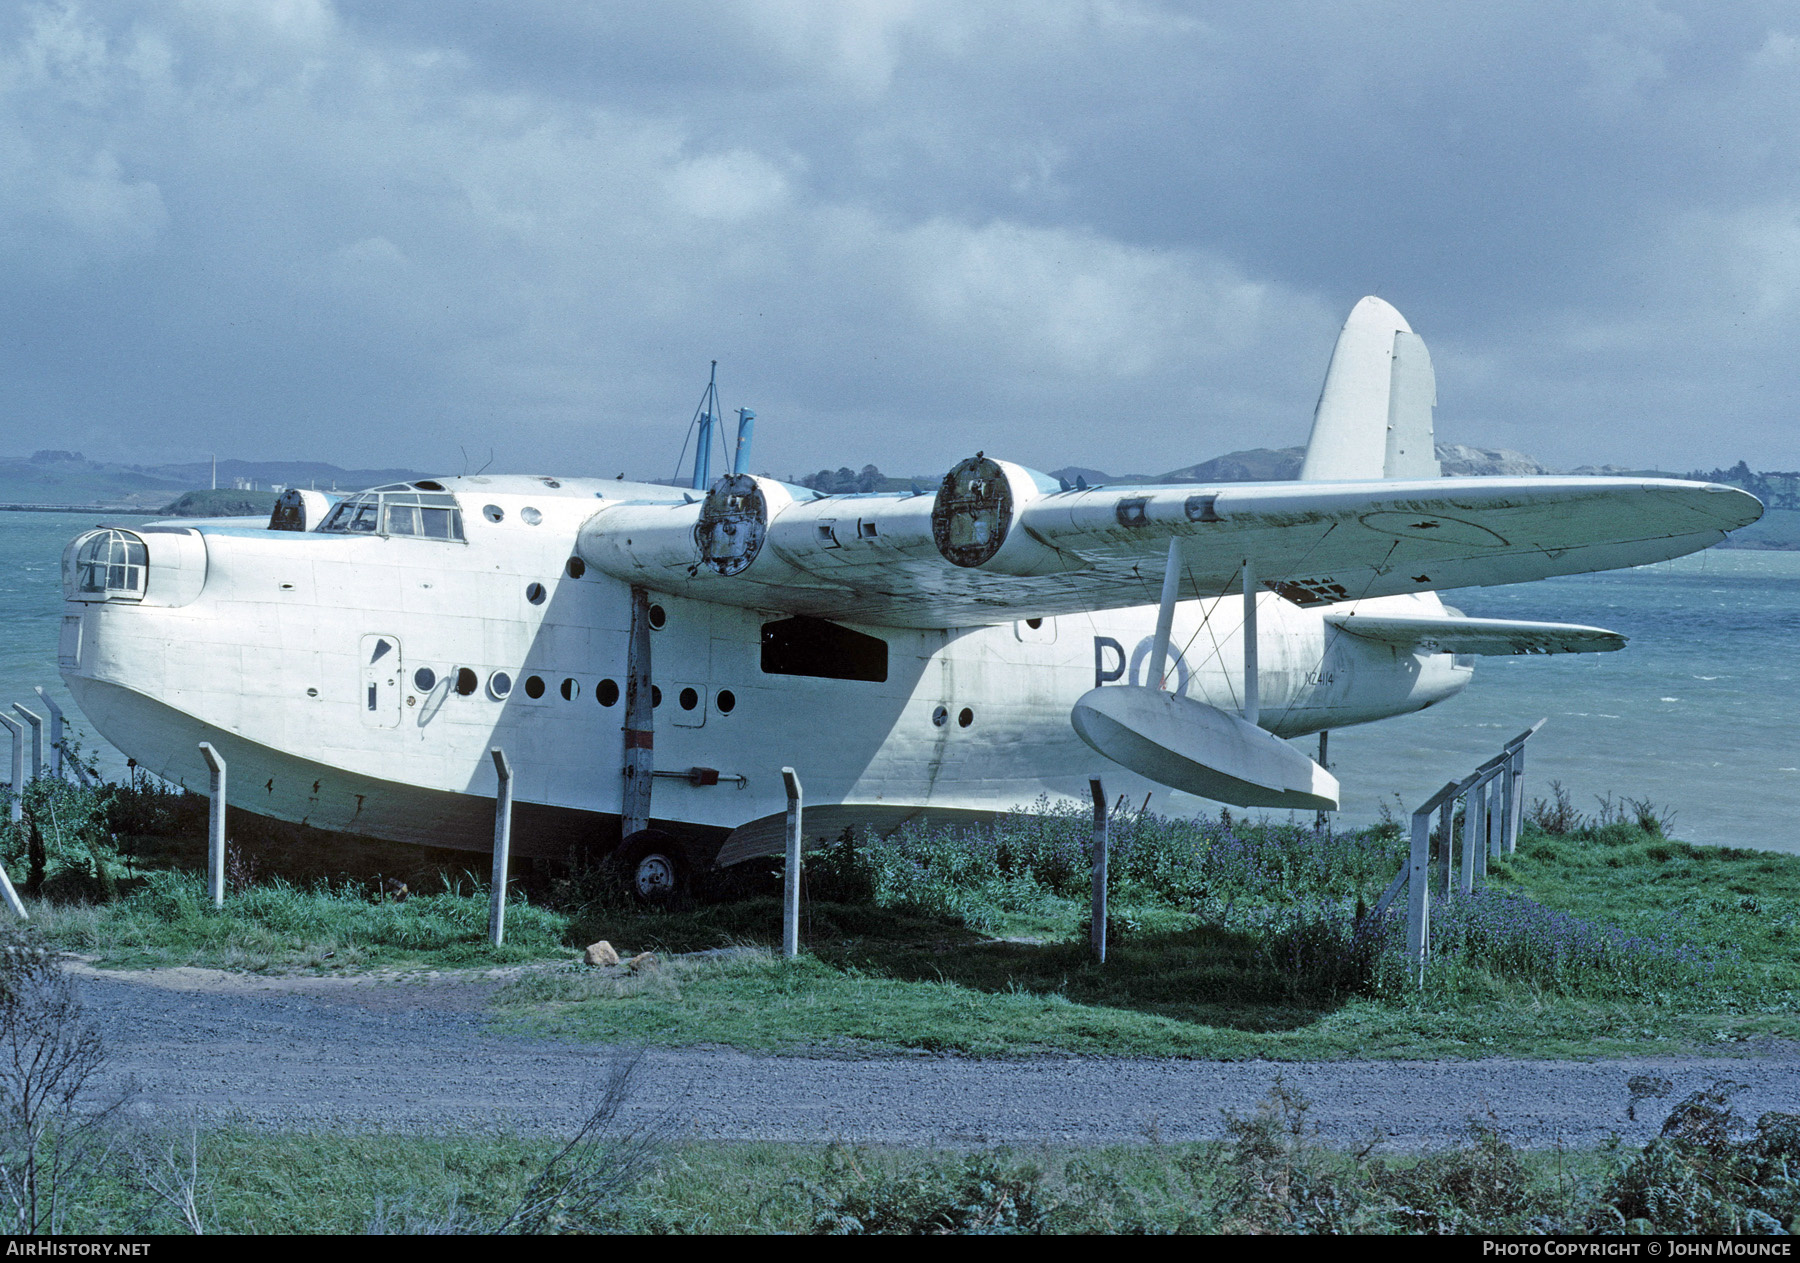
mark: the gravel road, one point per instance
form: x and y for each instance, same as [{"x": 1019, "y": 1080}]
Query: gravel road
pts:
[{"x": 409, "y": 1055}]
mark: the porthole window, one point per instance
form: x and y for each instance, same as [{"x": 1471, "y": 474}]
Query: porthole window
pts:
[
  {"x": 576, "y": 568},
  {"x": 499, "y": 685},
  {"x": 571, "y": 689},
  {"x": 689, "y": 698},
  {"x": 534, "y": 686},
  {"x": 607, "y": 693},
  {"x": 1034, "y": 623},
  {"x": 535, "y": 593},
  {"x": 530, "y": 516},
  {"x": 658, "y": 616},
  {"x": 425, "y": 679},
  {"x": 725, "y": 701},
  {"x": 965, "y": 717},
  {"x": 492, "y": 512},
  {"x": 466, "y": 682},
  {"x": 655, "y": 697},
  {"x": 940, "y": 716}
]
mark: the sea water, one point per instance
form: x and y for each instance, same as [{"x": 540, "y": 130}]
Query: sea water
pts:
[{"x": 1697, "y": 715}]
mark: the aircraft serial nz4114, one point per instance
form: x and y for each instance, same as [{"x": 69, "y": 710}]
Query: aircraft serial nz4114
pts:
[{"x": 650, "y": 657}]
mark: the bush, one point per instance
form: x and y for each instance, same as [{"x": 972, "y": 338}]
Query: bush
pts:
[
  {"x": 56, "y": 1129},
  {"x": 988, "y": 1195},
  {"x": 1330, "y": 953},
  {"x": 1705, "y": 1174}
]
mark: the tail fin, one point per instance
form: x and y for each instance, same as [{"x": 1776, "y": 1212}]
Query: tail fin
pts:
[{"x": 1374, "y": 414}]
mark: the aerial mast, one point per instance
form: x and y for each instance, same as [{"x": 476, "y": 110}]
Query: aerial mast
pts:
[{"x": 709, "y": 417}]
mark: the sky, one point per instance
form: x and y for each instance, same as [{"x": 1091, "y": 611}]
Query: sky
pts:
[{"x": 1116, "y": 234}]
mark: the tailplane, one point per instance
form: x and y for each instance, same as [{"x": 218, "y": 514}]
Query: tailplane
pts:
[{"x": 1374, "y": 414}]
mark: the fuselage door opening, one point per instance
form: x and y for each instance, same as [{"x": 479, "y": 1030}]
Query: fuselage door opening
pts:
[{"x": 379, "y": 699}]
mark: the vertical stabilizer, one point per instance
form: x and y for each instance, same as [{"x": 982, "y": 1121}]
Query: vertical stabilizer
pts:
[{"x": 1374, "y": 413}]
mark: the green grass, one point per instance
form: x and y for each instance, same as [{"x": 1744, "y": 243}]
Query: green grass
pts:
[
  {"x": 1271, "y": 1174},
  {"x": 1735, "y": 900},
  {"x": 1231, "y": 941},
  {"x": 168, "y": 920},
  {"x": 909, "y": 984}
]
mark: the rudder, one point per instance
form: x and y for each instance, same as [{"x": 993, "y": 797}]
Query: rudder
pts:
[{"x": 1374, "y": 419}]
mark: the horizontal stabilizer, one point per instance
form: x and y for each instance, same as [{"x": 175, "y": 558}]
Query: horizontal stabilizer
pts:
[
  {"x": 1497, "y": 636},
  {"x": 1188, "y": 745}
]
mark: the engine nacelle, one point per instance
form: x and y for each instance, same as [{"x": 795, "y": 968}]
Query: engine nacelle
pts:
[{"x": 973, "y": 520}]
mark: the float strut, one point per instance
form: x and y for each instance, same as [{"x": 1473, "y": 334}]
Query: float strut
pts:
[
  {"x": 1165, "y": 618},
  {"x": 1252, "y": 704}
]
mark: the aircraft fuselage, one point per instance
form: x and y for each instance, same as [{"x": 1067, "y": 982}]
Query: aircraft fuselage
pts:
[{"x": 357, "y": 681}]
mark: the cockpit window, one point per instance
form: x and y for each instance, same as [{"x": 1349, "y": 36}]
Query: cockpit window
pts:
[
  {"x": 111, "y": 565},
  {"x": 403, "y": 512}
]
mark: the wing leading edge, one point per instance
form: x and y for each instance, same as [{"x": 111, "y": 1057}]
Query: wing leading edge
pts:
[{"x": 998, "y": 542}]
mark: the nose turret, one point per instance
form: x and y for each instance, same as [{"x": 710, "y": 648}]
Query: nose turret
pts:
[{"x": 158, "y": 565}]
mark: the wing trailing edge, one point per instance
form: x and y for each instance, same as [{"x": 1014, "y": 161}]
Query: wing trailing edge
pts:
[{"x": 1489, "y": 636}]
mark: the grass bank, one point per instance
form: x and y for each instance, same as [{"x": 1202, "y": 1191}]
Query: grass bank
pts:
[{"x": 1601, "y": 936}]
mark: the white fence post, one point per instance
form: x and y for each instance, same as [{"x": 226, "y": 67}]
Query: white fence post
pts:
[
  {"x": 215, "y": 827},
  {"x": 37, "y": 739},
  {"x": 1418, "y": 880},
  {"x": 790, "y": 894},
  {"x": 1475, "y": 844},
  {"x": 18, "y": 771},
  {"x": 1446, "y": 844},
  {"x": 17, "y": 729},
  {"x": 1097, "y": 933},
  {"x": 503, "y": 803},
  {"x": 1418, "y": 893},
  {"x": 56, "y": 731}
]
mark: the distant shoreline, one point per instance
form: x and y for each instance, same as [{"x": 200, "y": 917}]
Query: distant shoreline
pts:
[{"x": 78, "y": 508}]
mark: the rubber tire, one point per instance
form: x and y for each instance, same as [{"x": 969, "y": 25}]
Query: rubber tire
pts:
[{"x": 654, "y": 868}]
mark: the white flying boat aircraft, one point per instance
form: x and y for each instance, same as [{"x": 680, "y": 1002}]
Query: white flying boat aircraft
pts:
[{"x": 650, "y": 657}]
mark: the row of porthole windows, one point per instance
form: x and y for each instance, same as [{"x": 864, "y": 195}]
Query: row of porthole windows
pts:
[{"x": 500, "y": 686}]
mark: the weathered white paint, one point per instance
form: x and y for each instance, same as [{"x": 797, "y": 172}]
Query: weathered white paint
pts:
[{"x": 272, "y": 662}]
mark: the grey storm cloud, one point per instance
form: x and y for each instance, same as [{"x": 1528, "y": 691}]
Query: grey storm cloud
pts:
[{"x": 1110, "y": 233}]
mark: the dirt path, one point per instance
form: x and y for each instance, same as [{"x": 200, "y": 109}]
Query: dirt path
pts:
[{"x": 405, "y": 1052}]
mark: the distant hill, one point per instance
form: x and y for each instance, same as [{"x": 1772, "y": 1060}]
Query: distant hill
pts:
[
  {"x": 1460, "y": 461},
  {"x": 59, "y": 477},
  {"x": 846, "y": 481},
  {"x": 64, "y": 478},
  {"x": 287, "y": 473},
  {"x": 224, "y": 503},
  {"x": 1775, "y": 488},
  {"x": 1280, "y": 464}
]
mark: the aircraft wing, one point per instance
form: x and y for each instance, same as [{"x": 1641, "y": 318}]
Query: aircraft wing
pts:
[
  {"x": 996, "y": 543},
  {"x": 1494, "y": 636}
]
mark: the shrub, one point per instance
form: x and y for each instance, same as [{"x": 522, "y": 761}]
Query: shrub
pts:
[
  {"x": 1281, "y": 1178},
  {"x": 56, "y": 1128},
  {"x": 1329, "y": 952},
  {"x": 1705, "y": 1174},
  {"x": 988, "y": 1195},
  {"x": 1558, "y": 815}
]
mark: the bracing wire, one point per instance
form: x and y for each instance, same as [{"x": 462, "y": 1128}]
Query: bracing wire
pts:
[{"x": 708, "y": 397}]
